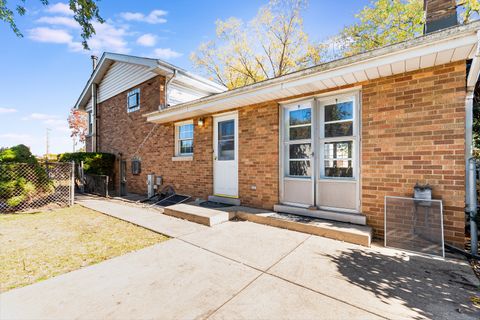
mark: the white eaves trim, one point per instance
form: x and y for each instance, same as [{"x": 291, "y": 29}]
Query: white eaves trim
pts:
[{"x": 453, "y": 44}]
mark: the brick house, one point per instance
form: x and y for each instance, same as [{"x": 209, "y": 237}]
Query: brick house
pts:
[{"x": 339, "y": 136}]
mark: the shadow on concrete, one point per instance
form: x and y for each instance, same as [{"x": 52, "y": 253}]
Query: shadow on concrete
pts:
[{"x": 434, "y": 288}]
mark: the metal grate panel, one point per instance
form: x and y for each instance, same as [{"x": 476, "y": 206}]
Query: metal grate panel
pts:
[{"x": 414, "y": 225}]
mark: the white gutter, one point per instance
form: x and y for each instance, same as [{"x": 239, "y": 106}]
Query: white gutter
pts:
[{"x": 448, "y": 39}]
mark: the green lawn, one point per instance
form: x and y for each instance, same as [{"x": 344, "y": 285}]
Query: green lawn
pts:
[{"x": 37, "y": 246}]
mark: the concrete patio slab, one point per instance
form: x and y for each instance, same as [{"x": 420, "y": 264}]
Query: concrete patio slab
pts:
[
  {"x": 147, "y": 218},
  {"x": 253, "y": 244},
  {"x": 171, "y": 280},
  {"x": 272, "y": 298},
  {"x": 383, "y": 281},
  {"x": 197, "y": 214}
]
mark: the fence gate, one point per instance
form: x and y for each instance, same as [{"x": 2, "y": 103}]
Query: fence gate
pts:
[
  {"x": 25, "y": 186},
  {"x": 414, "y": 225}
]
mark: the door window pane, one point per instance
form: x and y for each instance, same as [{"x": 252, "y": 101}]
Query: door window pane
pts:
[
  {"x": 299, "y": 168},
  {"x": 300, "y": 151},
  {"x": 226, "y": 140},
  {"x": 339, "y": 129},
  {"x": 338, "y": 168},
  {"x": 338, "y": 150},
  {"x": 339, "y": 111},
  {"x": 302, "y": 116},
  {"x": 300, "y": 133},
  {"x": 338, "y": 159}
]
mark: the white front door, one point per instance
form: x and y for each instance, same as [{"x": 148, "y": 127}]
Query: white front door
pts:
[{"x": 225, "y": 155}]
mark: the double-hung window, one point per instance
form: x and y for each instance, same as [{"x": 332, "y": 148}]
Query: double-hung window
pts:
[
  {"x": 184, "y": 139},
  {"x": 133, "y": 100},
  {"x": 337, "y": 139}
]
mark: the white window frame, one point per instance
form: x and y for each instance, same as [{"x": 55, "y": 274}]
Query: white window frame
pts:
[
  {"x": 90, "y": 122},
  {"x": 129, "y": 94},
  {"x": 178, "y": 140}
]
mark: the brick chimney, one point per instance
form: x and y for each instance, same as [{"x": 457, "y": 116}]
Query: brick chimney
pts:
[{"x": 439, "y": 14}]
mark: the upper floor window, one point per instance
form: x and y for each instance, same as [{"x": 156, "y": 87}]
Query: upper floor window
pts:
[
  {"x": 90, "y": 122},
  {"x": 184, "y": 139},
  {"x": 133, "y": 100}
]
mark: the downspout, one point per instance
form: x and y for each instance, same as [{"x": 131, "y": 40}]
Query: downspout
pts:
[
  {"x": 94, "y": 116},
  {"x": 470, "y": 164},
  {"x": 167, "y": 84}
]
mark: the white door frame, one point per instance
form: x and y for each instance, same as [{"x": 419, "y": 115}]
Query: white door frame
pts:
[
  {"x": 233, "y": 177},
  {"x": 355, "y": 138},
  {"x": 283, "y": 158},
  {"x": 316, "y": 144}
]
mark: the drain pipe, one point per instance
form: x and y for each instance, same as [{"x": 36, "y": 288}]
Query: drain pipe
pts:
[
  {"x": 472, "y": 205},
  {"x": 471, "y": 183},
  {"x": 167, "y": 85}
]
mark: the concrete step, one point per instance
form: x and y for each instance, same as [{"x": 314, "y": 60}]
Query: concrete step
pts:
[
  {"x": 205, "y": 216},
  {"x": 226, "y": 200},
  {"x": 355, "y": 218},
  {"x": 347, "y": 232}
]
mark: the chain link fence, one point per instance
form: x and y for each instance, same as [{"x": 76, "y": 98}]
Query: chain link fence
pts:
[{"x": 25, "y": 186}]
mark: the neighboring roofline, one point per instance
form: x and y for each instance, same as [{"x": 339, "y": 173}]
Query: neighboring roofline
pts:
[
  {"x": 155, "y": 65},
  {"x": 416, "y": 43}
]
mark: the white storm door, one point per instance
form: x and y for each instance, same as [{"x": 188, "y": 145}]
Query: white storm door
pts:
[
  {"x": 298, "y": 157},
  {"x": 337, "y": 186},
  {"x": 225, "y": 155}
]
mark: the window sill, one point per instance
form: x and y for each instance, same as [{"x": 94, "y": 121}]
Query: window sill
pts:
[{"x": 182, "y": 158}]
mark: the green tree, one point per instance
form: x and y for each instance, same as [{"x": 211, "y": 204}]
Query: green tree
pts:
[
  {"x": 270, "y": 45},
  {"x": 385, "y": 22},
  {"x": 84, "y": 12}
]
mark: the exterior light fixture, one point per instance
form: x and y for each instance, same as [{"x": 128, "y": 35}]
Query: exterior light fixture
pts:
[{"x": 200, "y": 122}]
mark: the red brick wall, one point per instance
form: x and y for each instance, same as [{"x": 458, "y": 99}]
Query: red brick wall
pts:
[
  {"x": 122, "y": 132},
  {"x": 258, "y": 155},
  {"x": 413, "y": 130}
]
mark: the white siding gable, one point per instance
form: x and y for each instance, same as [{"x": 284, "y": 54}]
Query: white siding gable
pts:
[
  {"x": 179, "y": 94},
  {"x": 122, "y": 76}
]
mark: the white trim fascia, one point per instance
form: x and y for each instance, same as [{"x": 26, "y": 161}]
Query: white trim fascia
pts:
[
  {"x": 332, "y": 92},
  {"x": 432, "y": 43}
]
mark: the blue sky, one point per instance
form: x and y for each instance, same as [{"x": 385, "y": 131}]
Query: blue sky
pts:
[{"x": 43, "y": 73}]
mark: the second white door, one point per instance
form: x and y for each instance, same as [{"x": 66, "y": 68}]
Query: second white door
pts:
[{"x": 225, "y": 155}]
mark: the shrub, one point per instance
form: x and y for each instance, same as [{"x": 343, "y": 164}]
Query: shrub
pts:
[
  {"x": 93, "y": 162},
  {"x": 21, "y": 176}
]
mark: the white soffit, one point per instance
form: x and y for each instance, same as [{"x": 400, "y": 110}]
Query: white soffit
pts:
[{"x": 450, "y": 48}]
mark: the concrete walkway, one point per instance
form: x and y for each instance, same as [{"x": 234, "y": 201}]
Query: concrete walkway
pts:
[{"x": 243, "y": 270}]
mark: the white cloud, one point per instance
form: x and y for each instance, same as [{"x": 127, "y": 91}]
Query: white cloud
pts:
[
  {"x": 50, "y": 35},
  {"x": 59, "y": 21},
  {"x": 60, "y": 8},
  {"x": 147, "y": 40},
  {"x": 7, "y": 110},
  {"x": 41, "y": 116},
  {"x": 15, "y": 136},
  {"x": 154, "y": 17},
  {"x": 166, "y": 53},
  {"x": 109, "y": 38}
]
